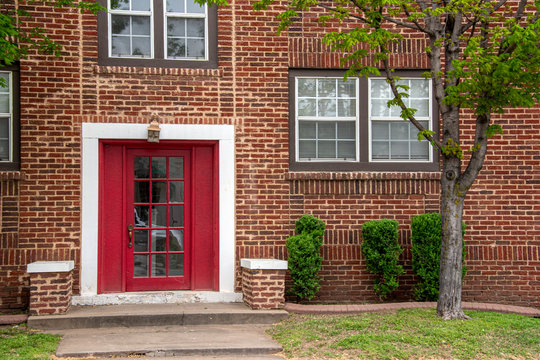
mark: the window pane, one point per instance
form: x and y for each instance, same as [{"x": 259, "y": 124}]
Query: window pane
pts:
[
  {"x": 176, "y": 264},
  {"x": 379, "y": 108},
  {"x": 347, "y": 108},
  {"x": 159, "y": 191},
  {"x": 307, "y": 149},
  {"x": 120, "y": 24},
  {"x": 347, "y": 89},
  {"x": 175, "y": 6},
  {"x": 307, "y": 129},
  {"x": 346, "y": 149},
  {"x": 176, "y": 27},
  {"x": 159, "y": 240},
  {"x": 327, "y": 107},
  {"x": 380, "y": 150},
  {"x": 192, "y": 7},
  {"x": 4, "y": 128},
  {"x": 4, "y": 150},
  {"x": 141, "y": 25},
  {"x": 176, "y": 48},
  {"x": 140, "y": 5},
  {"x": 195, "y": 49},
  {"x": 419, "y": 89},
  {"x": 4, "y": 95},
  {"x": 195, "y": 27},
  {"x": 395, "y": 111},
  {"x": 399, "y": 130},
  {"x": 121, "y": 46},
  {"x": 380, "y": 89},
  {"x": 176, "y": 240},
  {"x": 327, "y": 149},
  {"x": 140, "y": 265},
  {"x": 159, "y": 265},
  {"x": 327, "y": 87},
  {"x": 327, "y": 130},
  {"x": 142, "y": 193},
  {"x": 176, "y": 167},
  {"x": 306, "y": 107},
  {"x": 419, "y": 150},
  {"x": 120, "y": 4},
  {"x": 414, "y": 131},
  {"x": 159, "y": 215},
  {"x": 141, "y": 47},
  {"x": 379, "y": 130},
  {"x": 346, "y": 130},
  {"x": 399, "y": 150},
  {"x": 421, "y": 106},
  {"x": 307, "y": 87}
]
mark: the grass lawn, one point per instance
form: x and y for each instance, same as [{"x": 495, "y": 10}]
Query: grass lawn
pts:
[
  {"x": 409, "y": 334},
  {"x": 19, "y": 343}
]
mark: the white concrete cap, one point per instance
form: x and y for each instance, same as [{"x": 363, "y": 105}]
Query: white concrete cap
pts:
[
  {"x": 50, "y": 266},
  {"x": 264, "y": 264}
]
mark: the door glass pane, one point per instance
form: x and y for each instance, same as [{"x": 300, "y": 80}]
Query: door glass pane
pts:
[
  {"x": 159, "y": 191},
  {"x": 176, "y": 240},
  {"x": 159, "y": 167},
  {"x": 141, "y": 240},
  {"x": 159, "y": 264},
  {"x": 176, "y": 168},
  {"x": 159, "y": 215},
  {"x": 141, "y": 216},
  {"x": 141, "y": 168},
  {"x": 142, "y": 192},
  {"x": 159, "y": 240},
  {"x": 140, "y": 266},
  {"x": 176, "y": 215},
  {"x": 176, "y": 265},
  {"x": 176, "y": 191}
]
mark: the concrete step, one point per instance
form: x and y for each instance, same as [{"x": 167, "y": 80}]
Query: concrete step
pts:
[
  {"x": 113, "y": 316},
  {"x": 199, "y": 341}
]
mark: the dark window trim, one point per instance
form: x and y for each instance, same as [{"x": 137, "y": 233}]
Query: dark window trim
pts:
[
  {"x": 103, "y": 44},
  {"x": 363, "y": 164},
  {"x": 15, "y": 163}
]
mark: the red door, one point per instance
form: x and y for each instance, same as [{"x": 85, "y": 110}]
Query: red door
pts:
[
  {"x": 158, "y": 216},
  {"x": 158, "y": 219}
]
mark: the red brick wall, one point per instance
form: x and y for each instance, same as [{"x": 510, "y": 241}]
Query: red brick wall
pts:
[
  {"x": 263, "y": 289},
  {"x": 249, "y": 90},
  {"x": 50, "y": 293}
]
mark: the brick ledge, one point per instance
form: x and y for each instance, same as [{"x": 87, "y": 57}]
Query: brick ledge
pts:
[
  {"x": 99, "y": 69},
  {"x": 11, "y": 175},
  {"x": 312, "y": 175}
]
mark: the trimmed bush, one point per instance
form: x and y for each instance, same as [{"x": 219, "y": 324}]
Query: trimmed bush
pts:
[
  {"x": 381, "y": 252},
  {"x": 426, "y": 255},
  {"x": 305, "y": 258}
]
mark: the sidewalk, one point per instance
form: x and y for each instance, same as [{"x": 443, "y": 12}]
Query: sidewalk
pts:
[{"x": 358, "y": 309}]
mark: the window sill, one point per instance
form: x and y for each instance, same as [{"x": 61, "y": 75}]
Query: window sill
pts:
[
  {"x": 101, "y": 69},
  {"x": 326, "y": 175}
]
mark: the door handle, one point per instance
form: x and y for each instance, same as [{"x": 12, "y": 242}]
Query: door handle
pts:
[{"x": 130, "y": 235}]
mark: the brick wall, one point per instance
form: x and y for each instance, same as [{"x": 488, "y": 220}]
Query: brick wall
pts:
[
  {"x": 50, "y": 293},
  {"x": 249, "y": 90},
  {"x": 263, "y": 288}
]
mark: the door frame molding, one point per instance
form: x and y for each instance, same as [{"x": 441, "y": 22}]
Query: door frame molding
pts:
[{"x": 92, "y": 133}]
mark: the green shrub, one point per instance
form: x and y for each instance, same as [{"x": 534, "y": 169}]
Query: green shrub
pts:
[
  {"x": 381, "y": 252},
  {"x": 305, "y": 256},
  {"x": 426, "y": 255}
]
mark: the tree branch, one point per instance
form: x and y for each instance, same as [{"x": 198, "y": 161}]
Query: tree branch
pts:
[{"x": 479, "y": 151}]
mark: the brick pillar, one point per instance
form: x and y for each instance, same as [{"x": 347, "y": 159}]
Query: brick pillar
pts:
[
  {"x": 263, "y": 283},
  {"x": 50, "y": 286}
]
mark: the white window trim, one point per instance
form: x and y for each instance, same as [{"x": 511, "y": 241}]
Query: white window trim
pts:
[
  {"x": 10, "y": 116},
  {"x": 185, "y": 15},
  {"x": 93, "y": 132},
  {"x": 397, "y": 118},
  {"x": 356, "y": 119}
]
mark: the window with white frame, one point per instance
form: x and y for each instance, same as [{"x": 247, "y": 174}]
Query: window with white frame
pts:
[
  {"x": 392, "y": 138},
  {"x": 327, "y": 119},
  {"x": 158, "y": 33},
  {"x": 347, "y": 125},
  {"x": 6, "y": 116}
]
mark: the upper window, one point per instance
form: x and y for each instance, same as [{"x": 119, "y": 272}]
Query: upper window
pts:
[
  {"x": 347, "y": 125},
  {"x": 158, "y": 33},
  {"x": 9, "y": 119}
]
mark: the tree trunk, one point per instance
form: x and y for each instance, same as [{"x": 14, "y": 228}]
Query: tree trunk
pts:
[{"x": 449, "y": 303}]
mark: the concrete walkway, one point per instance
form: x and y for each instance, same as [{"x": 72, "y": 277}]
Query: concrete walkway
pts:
[{"x": 358, "y": 309}]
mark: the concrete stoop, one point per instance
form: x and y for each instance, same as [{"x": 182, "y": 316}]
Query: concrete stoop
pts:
[{"x": 200, "y": 330}]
